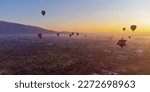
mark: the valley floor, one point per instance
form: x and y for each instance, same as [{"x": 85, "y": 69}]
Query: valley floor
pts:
[{"x": 74, "y": 56}]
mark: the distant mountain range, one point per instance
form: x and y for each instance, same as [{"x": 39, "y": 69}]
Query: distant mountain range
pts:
[{"x": 15, "y": 28}]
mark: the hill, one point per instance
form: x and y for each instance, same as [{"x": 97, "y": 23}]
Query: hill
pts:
[{"x": 15, "y": 28}]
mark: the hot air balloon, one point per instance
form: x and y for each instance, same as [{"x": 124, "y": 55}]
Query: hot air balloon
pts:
[
  {"x": 124, "y": 29},
  {"x": 70, "y": 35},
  {"x": 129, "y": 37},
  {"x": 133, "y": 27},
  {"x": 122, "y": 42},
  {"x": 43, "y": 12},
  {"x": 39, "y": 35},
  {"x": 77, "y": 34},
  {"x": 57, "y": 34}
]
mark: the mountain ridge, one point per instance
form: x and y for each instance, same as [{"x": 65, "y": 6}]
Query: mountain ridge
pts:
[{"x": 16, "y": 28}]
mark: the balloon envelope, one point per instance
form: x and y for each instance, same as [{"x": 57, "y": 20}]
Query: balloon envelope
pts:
[
  {"x": 129, "y": 37},
  {"x": 122, "y": 43},
  {"x": 70, "y": 35},
  {"x": 40, "y": 35},
  {"x": 43, "y": 12},
  {"x": 57, "y": 34},
  {"x": 123, "y": 29},
  {"x": 133, "y": 27},
  {"x": 77, "y": 34}
]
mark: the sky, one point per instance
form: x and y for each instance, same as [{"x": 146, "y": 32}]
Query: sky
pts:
[{"x": 79, "y": 15}]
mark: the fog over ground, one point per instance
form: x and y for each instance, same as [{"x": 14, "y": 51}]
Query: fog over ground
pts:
[{"x": 93, "y": 54}]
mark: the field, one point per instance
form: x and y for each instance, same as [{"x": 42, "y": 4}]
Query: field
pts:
[{"x": 96, "y": 54}]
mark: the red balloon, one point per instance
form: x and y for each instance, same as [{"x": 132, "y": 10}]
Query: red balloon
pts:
[{"x": 122, "y": 43}]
